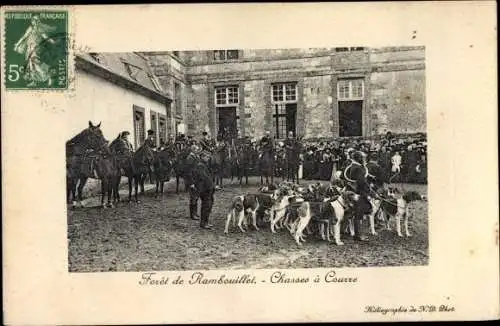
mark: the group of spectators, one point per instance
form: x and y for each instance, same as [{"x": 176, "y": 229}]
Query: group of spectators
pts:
[{"x": 402, "y": 159}]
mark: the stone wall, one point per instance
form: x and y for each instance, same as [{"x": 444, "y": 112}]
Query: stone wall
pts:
[
  {"x": 255, "y": 108},
  {"x": 397, "y": 101},
  {"x": 318, "y": 112},
  {"x": 197, "y": 112},
  {"x": 394, "y": 87}
]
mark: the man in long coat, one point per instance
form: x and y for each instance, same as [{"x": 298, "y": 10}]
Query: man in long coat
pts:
[
  {"x": 355, "y": 175},
  {"x": 204, "y": 186}
]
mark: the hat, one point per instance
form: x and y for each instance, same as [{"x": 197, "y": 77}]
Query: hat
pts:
[
  {"x": 357, "y": 156},
  {"x": 151, "y": 132},
  {"x": 205, "y": 133},
  {"x": 124, "y": 133}
]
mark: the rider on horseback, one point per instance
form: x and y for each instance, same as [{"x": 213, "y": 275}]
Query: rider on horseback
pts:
[
  {"x": 267, "y": 143},
  {"x": 180, "y": 142},
  {"x": 151, "y": 139},
  {"x": 206, "y": 143},
  {"x": 123, "y": 149},
  {"x": 121, "y": 144}
]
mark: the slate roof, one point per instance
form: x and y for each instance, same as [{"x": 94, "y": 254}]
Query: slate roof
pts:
[{"x": 129, "y": 65}]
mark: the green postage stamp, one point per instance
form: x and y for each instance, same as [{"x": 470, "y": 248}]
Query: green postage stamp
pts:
[{"x": 36, "y": 49}]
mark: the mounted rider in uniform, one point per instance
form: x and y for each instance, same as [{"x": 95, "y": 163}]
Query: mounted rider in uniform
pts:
[
  {"x": 180, "y": 143},
  {"x": 207, "y": 145},
  {"x": 151, "y": 140},
  {"x": 124, "y": 150},
  {"x": 267, "y": 144}
]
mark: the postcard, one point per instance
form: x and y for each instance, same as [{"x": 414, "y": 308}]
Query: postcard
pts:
[{"x": 306, "y": 162}]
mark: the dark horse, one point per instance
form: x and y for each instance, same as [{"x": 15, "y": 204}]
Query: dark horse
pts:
[
  {"x": 135, "y": 166},
  {"x": 218, "y": 161},
  {"x": 162, "y": 166},
  {"x": 266, "y": 166},
  {"x": 88, "y": 156},
  {"x": 179, "y": 167},
  {"x": 246, "y": 155}
]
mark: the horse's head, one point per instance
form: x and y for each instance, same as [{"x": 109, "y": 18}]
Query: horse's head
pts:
[
  {"x": 90, "y": 138},
  {"x": 94, "y": 137}
]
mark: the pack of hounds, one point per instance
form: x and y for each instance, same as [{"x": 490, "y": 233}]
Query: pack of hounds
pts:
[{"x": 318, "y": 209}]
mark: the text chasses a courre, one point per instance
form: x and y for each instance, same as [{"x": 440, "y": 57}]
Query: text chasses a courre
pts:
[{"x": 277, "y": 278}]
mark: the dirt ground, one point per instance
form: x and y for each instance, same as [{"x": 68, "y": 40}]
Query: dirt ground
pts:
[{"x": 156, "y": 235}]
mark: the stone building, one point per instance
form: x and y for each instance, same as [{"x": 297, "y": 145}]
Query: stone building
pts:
[{"x": 314, "y": 92}]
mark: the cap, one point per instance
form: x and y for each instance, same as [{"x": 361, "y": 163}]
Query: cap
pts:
[{"x": 357, "y": 156}]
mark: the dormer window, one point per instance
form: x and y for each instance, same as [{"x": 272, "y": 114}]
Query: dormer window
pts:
[{"x": 226, "y": 55}]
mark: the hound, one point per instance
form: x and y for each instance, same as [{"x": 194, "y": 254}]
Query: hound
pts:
[
  {"x": 240, "y": 207},
  {"x": 398, "y": 206}
]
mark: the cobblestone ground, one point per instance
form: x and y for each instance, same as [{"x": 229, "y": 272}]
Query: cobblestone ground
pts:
[{"x": 155, "y": 235}]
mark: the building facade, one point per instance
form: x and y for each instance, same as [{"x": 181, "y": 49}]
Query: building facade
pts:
[
  {"x": 120, "y": 91},
  {"x": 316, "y": 92}
]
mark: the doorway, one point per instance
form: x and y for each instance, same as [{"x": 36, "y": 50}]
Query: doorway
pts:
[
  {"x": 284, "y": 119},
  {"x": 227, "y": 123},
  {"x": 350, "y": 118}
]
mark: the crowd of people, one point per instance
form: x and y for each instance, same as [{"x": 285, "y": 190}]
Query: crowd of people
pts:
[{"x": 402, "y": 159}]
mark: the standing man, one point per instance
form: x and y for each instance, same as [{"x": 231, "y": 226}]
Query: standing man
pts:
[
  {"x": 292, "y": 156},
  {"x": 355, "y": 175},
  {"x": 190, "y": 165},
  {"x": 204, "y": 187}
]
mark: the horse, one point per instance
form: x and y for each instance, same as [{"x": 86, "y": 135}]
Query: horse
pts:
[
  {"x": 162, "y": 166},
  {"x": 178, "y": 166},
  {"x": 241, "y": 161},
  {"x": 217, "y": 162},
  {"x": 266, "y": 166},
  {"x": 88, "y": 156},
  {"x": 135, "y": 166}
]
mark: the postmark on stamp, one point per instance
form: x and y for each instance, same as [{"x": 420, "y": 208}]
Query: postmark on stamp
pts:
[{"x": 36, "y": 49}]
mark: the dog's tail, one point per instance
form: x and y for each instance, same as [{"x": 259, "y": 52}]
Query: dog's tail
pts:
[{"x": 249, "y": 209}]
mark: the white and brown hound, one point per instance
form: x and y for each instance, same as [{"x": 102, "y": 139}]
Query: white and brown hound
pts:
[{"x": 398, "y": 206}]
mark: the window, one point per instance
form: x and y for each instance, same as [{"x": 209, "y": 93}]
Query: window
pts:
[
  {"x": 162, "y": 127},
  {"x": 139, "y": 126},
  {"x": 155, "y": 82},
  {"x": 132, "y": 70},
  {"x": 95, "y": 56},
  {"x": 224, "y": 55},
  {"x": 154, "y": 125},
  {"x": 178, "y": 99},
  {"x": 284, "y": 100},
  {"x": 226, "y": 96},
  {"x": 350, "y": 89},
  {"x": 284, "y": 92},
  {"x": 349, "y": 49}
]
